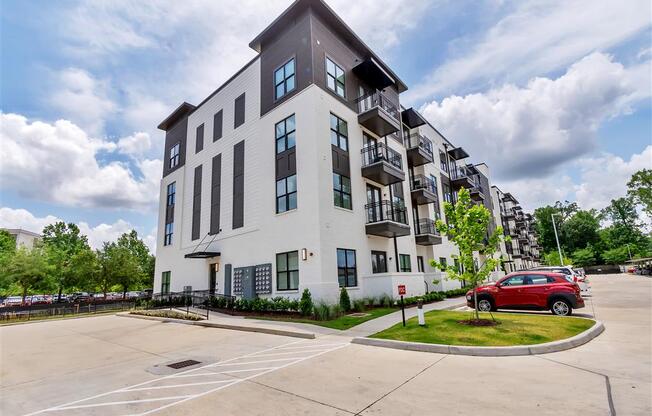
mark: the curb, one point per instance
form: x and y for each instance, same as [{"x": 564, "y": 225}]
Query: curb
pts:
[
  {"x": 271, "y": 331},
  {"x": 517, "y": 350}
]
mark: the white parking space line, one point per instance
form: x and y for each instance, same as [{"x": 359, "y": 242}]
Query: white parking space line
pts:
[{"x": 141, "y": 393}]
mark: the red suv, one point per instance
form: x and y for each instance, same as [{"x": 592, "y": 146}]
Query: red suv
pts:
[{"x": 529, "y": 290}]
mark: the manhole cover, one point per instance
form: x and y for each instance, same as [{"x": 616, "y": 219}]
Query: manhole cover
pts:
[{"x": 182, "y": 364}]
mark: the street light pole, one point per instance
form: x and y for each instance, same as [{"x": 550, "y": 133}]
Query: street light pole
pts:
[{"x": 554, "y": 226}]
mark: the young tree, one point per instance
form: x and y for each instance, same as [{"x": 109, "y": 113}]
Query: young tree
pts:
[
  {"x": 62, "y": 242},
  {"x": 584, "y": 257},
  {"x": 552, "y": 259},
  {"x": 639, "y": 188},
  {"x": 120, "y": 267},
  {"x": 467, "y": 227},
  {"x": 140, "y": 251},
  {"x": 7, "y": 250},
  {"x": 28, "y": 269}
]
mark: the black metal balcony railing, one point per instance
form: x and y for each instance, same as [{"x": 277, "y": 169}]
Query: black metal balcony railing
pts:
[
  {"x": 386, "y": 211},
  {"x": 377, "y": 99},
  {"x": 460, "y": 172},
  {"x": 420, "y": 182},
  {"x": 417, "y": 140},
  {"x": 425, "y": 226},
  {"x": 378, "y": 152}
]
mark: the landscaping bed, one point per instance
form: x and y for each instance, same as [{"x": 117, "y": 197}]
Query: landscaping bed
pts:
[
  {"x": 166, "y": 313},
  {"x": 443, "y": 327},
  {"x": 341, "y": 322}
]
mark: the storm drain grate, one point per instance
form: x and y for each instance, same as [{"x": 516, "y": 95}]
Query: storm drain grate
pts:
[{"x": 182, "y": 364}]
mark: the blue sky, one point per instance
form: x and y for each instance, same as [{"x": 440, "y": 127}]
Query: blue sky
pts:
[{"x": 553, "y": 95}]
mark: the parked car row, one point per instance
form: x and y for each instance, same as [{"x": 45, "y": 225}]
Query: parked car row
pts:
[
  {"x": 76, "y": 297},
  {"x": 545, "y": 288}
]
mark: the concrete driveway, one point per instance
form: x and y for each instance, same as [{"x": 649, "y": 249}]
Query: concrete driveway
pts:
[{"x": 116, "y": 366}]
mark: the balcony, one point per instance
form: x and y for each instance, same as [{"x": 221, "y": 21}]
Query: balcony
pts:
[
  {"x": 426, "y": 233},
  {"x": 477, "y": 194},
  {"x": 378, "y": 114},
  {"x": 423, "y": 190},
  {"x": 386, "y": 219},
  {"x": 461, "y": 177},
  {"x": 418, "y": 149},
  {"x": 382, "y": 164}
]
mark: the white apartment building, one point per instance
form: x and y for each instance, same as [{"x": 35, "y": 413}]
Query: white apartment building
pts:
[
  {"x": 24, "y": 238},
  {"x": 304, "y": 171}
]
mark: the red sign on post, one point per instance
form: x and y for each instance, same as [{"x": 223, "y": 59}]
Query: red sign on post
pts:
[{"x": 401, "y": 290}]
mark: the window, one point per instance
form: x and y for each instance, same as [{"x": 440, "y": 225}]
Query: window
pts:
[
  {"x": 446, "y": 190},
  {"x": 199, "y": 139},
  {"x": 405, "y": 264},
  {"x": 420, "y": 266},
  {"x": 456, "y": 264},
  {"x": 287, "y": 271},
  {"x": 285, "y": 134},
  {"x": 538, "y": 279},
  {"x": 514, "y": 281},
  {"x": 342, "y": 191},
  {"x": 217, "y": 126},
  {"x": 174, "y": 155},
  {"x": 335, "y": 78},
  {"x": 442, "y": 161},
  {"x": 172, "y": 191},
  {"x": 378, "y": 262},
  {"x": 339, "y": 133},
  {"x": 286, "y": 194},
  {"x": 444, "y": 263},
  {"x": 239, "y": 117},
  {"x": 165, "y": 283},
  {"x": 346, "y": 270},
  {"x": 284, "y": 79},
  {"x": 169, "y": 230}
]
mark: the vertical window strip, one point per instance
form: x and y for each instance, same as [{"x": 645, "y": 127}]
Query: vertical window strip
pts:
[
  {"x": 342, "y": 191},
  {"x": 284, "y": 79},
  {"x": 287, "y": 271},
  {"x": 285, "y": 132},
  {"x": 339, "y": 133},
  {"x": 335, "y": 80},
  {"x": 286, "y": 194},
  {"x": 346, "y": 268}
]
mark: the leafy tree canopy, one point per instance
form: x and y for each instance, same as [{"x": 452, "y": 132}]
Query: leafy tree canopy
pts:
[{"x": 639, "y": 188}]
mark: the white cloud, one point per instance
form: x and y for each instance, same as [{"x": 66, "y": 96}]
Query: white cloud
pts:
[
  {"x": 59, "y": 163},
  {"x": 135, "y": 145},
  {"x": 535, "y": 38},
  {"x": 80, "y": 97},
  {"x": 22, "y": 218},
  {"x": 605, "y": 177},
  {"x": 531, "y": 131},
  {"x": 535, "y": 192}
]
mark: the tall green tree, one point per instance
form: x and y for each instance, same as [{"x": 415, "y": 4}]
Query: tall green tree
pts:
[
  {"x": 581, "y": 230},
  {"x": 28, "y": 270},
  {"x": 467, "y": 227},
  {"x": 584, "y": 257},
  {"x": 618, "y": 255},
  {"x": 120, "y": 267},
  {"x": 7, "y": 250},
  {"x": 625, "y": 229},
  {"x": 63, "y": 242},
  {"x": 562, "y": 211},
  {"x": 639, "y": 189},
  {"x": 140, "y": 251}
]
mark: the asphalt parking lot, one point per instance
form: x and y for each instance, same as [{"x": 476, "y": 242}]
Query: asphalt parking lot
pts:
[{"x": 111, "y": 365}]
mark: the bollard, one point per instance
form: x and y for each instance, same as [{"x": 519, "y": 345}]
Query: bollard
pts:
[{"x": 422, "y": 319}]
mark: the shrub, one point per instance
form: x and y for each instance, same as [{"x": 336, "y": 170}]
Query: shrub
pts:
[
  {"x": 305, "y": 304},
  {"x": 336, "y": 310},
  {"x": 345, "y": 301},
  {"x": 359, "y": 305},
  {"x": 369, "y": 302},
  {"x": 456, "y": 292},
  {"x": 386, "y": 301},
  {"x": 322, "y": 312}
]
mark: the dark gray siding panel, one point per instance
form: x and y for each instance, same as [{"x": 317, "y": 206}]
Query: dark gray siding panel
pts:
[
  {"x": 176, "y": 134},
  {"x": 239, "y": 111},
  {"x": 199, "y": 140},
  {"x": 217, "y": 126},
  {"x": 216, "y": 186},
  {"x": 341, "y": 163},
  {"x": 238, "y": 184},
  {"x": 293, "y": 42},
  {"x": 286, "y": 163},
  {"x": 196, "y": 203}
]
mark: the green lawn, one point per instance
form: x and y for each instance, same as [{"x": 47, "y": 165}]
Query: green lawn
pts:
[
  {"x": 341, "y": 323},
  {"x": 514, "y": 329}
]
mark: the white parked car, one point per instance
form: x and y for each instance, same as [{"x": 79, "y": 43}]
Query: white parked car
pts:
[{"x": 571, "y": 275}]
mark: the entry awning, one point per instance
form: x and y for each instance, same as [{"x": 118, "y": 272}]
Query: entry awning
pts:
[{"x": 202, "y": 254}]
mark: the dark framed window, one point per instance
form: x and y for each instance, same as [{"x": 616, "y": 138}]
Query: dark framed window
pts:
[
  {"x": 284, "y": 79},
  {"x": 339, "y": 133},
  {"x": 165, "y": 282},
  {"x": 172, "y": 192},
  {"x": 335, "y": 78},
  {"x": 217, "y": 125},
  {"x": 174, "y": 155},
  {"x": 444, "y": 263},
  {"x": 286, "y": 194},
  {"x": 169, "y": 230},
  {"x": 287, "y": 271},
  {"x": 378, "y": 262},
  {"x": 405, "y": 265},
  {"x": 285, "y": 134},
  {"x": 239, "y": 110},
  {"x": 420, "y": 266},
  {"x": 199, "y": 138},
  {"x": 342, "y": 191},
  {"x": 442, "y": 161},
  {"x": 347, "y": 274}
]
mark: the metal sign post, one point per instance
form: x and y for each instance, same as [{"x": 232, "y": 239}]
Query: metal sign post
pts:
[{"x": 401, "y": 292}]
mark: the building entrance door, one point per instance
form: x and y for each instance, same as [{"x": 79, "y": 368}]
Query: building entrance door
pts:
[{"x": 212, "y": 279}]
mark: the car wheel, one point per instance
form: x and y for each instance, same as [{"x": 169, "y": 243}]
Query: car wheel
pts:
[
  {"x": 561, "y": 307},
  {"x": 484, "y": 305}
]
